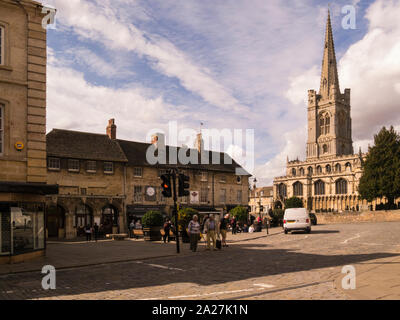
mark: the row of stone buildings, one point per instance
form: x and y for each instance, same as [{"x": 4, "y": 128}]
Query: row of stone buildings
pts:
[
  {"x": 54, "y": 185},
  {"x": 109, "y": 181}
]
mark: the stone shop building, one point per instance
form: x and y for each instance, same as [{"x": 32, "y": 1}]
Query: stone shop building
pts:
[
  {"x": 106, "y": 180},
  {"x": 23, "y": 174}
]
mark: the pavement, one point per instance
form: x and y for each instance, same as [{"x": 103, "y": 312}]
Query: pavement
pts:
[{"x": 254, "y": 266}]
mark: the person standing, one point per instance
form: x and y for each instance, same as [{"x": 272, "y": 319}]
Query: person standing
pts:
[
  {"x": 131, "y": 228},
  {"x": 234, "y": 225},
  {"x": 210, "y": 229},
  {"x": 223, "y": 225},
  {"x": 194, "y": 232},
  {"x": 88, "y": 232},
  {"x": 96, "y": 231},
  {"x": 167, "y": 229}
]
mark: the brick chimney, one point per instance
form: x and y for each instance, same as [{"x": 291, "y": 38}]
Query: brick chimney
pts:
[{"x": 112, "y": 129}]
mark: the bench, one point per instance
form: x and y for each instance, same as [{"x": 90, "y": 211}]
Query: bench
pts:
[
  {"x": 137, "y": 233},
  {"x": 171, "y": 234},
  {"x": 120, "y": 236}
]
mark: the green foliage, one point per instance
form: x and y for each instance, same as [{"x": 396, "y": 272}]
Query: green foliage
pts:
[
  {"x": 293, "y": 202},
  {"x": 277, "y": 217},
  {"x": 184, "y": 217},
  {"x": 240, "y": 213},
  {"x": 152, "y": 219},
  {"x": 381, "y": 169}
]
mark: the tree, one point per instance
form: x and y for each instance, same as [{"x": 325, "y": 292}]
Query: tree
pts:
[
  {"x": 381, "y": 168},
  {"x": 240, "y": 213},
  {"x": 293, "y": 202}
]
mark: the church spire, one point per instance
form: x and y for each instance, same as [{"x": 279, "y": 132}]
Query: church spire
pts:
[{"x": 329, "y": 75}]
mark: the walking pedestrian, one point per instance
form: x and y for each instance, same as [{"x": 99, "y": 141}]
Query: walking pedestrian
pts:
[
  {"x": 96, "y": 231},
  {"x": 223, "y": 225},
  {"x": 88, "y": 232},
  {"x": 210, "y": 229},
  {"x": 167, "y": 229},
  {"x": 194, "y": 232}
]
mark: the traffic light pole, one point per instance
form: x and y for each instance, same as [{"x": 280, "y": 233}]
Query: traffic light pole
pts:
[{"x": 175, "y": 211}]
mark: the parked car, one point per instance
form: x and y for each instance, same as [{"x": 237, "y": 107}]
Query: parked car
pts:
[
  {"x": 296, "y": 219},
  {"x": 313, "y": 218}
]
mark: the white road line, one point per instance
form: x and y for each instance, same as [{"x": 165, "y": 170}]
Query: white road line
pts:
[
  {"x": 159, "y": 266},
  {"x": 356, "y": 237},
  {"x": 262, "y": 286}
]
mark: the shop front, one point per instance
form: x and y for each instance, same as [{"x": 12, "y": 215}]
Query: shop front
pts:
[{"x": 22, "y": 221}]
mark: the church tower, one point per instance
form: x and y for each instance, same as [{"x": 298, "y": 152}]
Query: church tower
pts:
[{"x": 329, "y": 121}]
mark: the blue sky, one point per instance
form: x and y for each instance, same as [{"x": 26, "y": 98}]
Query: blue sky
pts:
[{"x": 227, "y": 63}]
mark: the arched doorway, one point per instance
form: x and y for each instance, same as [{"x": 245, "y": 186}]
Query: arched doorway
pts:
[
  {"x": 109, "y": 219},
  {"x": 83, "y": 217},
  {"x": 55, "y": 220}
]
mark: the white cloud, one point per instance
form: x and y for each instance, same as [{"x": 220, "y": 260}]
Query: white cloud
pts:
[
  {"x": 371, "y": 68},
  {"x": 103, "y": 24},
  {"x": 294, "y": 147}
]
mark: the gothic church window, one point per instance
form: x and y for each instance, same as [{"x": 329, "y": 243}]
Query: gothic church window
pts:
[
  {"x": 319, "y": 188},
  {"x": 341, "y": 186},
  {"x": 319, "y": 169},
  {"x": 298, "y": 189},
  {"x": 338, "y": 168},
  {"x": 282, "y": 190},
  {"x": 293, "y": 172},
  {"x": 310, "y": 171},
  {"x": 302, "y": 171},
  {"x": 328, "y": 169}
]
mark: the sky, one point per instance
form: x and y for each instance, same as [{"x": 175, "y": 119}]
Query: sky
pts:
[{"x": 229, "y": 64}]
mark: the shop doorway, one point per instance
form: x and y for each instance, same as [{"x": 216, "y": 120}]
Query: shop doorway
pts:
[
  {"x": 55, "y": 221},
  {"x": 109, "y": 219},
  {"x": 83, "y": 217}
]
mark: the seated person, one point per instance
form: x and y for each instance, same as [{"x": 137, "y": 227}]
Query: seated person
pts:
[
  {"x": 245, "y": 228},
  {"x": 251, "y": 229}
]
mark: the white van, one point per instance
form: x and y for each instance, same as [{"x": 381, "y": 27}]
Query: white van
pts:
[{"x": 296, "y": 219}]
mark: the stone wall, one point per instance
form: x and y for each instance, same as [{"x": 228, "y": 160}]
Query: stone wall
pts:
[{"x": 355, "y": 217}]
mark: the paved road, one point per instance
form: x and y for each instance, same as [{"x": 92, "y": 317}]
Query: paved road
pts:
[{"x": 293, "y": 266}]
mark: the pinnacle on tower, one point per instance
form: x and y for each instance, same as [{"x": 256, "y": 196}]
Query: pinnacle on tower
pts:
[{"x": 329, "y": 75}]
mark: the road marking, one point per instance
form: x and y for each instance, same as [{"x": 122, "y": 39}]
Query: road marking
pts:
[
  {"x": 264, "y": 285},
  {"x": 356, "y": 237},
  {"x": 159, "y": 266}
]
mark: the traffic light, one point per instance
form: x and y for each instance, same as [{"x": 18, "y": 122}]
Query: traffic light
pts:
[
  {"x": 166, "y": 186},
  {"x": 183, "y": 185}
]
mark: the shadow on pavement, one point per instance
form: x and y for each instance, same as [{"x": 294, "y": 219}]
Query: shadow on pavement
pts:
[{"x": 239, "y": 262}]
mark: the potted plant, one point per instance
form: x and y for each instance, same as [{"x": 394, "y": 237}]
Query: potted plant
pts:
[{"x": 152, "y": 222}]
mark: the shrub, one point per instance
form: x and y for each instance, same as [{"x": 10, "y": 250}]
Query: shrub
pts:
[
  {"x": 293, "y": 202},
  {"x": 277, "y": 217},
  {"x": 152, "y": 219},
  {"x": 184, "y": 217},
  {"x": 240, "y": 213}
]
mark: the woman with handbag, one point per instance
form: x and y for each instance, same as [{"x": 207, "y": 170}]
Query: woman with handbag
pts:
[{"x": 194, "y": 232}]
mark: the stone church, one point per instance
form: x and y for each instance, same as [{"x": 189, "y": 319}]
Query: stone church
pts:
[{"x": 328, "y": 179}]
